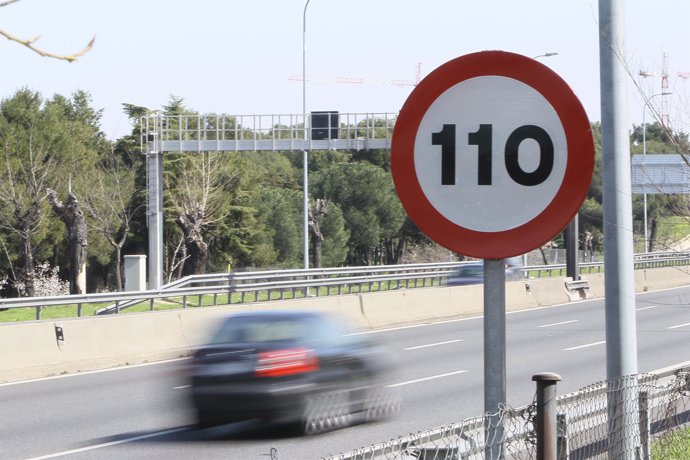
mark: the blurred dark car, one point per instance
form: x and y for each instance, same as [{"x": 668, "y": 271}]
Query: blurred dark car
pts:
[
  {"x": 467, "y": 274},
  {"x": 473, "y": 273},
  {"x": 295, "y": 367}
]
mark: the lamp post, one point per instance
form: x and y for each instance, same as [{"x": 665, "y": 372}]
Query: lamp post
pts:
[
  {"x": 644, "y": 155},
  {"x": 305, "y": 155}
]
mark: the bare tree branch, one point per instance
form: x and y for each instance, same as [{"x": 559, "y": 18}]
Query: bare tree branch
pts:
[{"x": 29, "y": 43}]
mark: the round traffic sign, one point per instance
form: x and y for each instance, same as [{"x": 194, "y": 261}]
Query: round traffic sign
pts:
[{"x": 492, "y": 154}]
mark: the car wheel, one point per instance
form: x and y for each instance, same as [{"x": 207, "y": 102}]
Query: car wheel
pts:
[
  {"x": 325, "y": 412},
  {"x": 381, "y": 403}
]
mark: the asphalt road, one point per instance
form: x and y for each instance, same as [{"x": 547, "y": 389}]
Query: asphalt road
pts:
[{"x": 140, "y": 411}]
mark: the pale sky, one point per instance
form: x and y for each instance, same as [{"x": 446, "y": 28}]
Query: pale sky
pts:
[{"x": 236, "y": 57}]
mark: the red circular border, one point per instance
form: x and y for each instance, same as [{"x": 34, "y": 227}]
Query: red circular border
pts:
[{"x": 576, "y": 180}]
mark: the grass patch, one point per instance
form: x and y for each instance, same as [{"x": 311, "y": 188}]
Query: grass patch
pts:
[
  {"x": 672, "y": 229},
  {"x": 672, "y": 446}
]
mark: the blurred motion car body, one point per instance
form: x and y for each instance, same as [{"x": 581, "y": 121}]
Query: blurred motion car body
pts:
[
  {"x": 295, "y": 367},
  {"x": 473, "y": 273},
  {"x": 467, "y": 274}
]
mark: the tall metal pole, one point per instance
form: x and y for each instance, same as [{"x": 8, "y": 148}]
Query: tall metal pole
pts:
[
  {"x": 154, "y": 164},
  {"x": 621, "y": 330},
  {"x": 644, "y": 155},
  {"x": 305, "y": 155},
  {"x": 494, "y": 354}
]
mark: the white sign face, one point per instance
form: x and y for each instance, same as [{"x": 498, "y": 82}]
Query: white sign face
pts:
[{"x": 509, "y": 155}]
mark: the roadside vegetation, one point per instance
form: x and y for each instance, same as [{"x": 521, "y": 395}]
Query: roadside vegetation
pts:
[
  {"x": 672, "y": 446},
  {"x": 74, "y": 200}
]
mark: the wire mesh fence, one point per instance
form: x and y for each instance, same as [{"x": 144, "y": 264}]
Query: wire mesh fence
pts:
[
  {"x": 508, "y": 434},
  {"x": 640, "y": 417}
]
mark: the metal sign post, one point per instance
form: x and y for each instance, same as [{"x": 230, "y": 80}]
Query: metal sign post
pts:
[{"x": 494, "y": 353}]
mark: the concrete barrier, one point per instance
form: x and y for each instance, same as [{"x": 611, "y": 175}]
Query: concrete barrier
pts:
[
  {"x": 31, "y": 350},
  {"x": 663, "y": 278},
  {"x": 596, "y": 285}
]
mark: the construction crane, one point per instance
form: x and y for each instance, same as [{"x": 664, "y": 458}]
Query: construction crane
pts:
[{"x": 362, "y": 81}]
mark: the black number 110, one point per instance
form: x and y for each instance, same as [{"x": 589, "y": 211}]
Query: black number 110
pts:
[{"x": 482, "y": 138}]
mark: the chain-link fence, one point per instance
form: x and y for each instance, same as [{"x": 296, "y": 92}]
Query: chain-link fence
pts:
[
  {"x": 510, "y": 435},
  {"x": 639, "y": 417}
]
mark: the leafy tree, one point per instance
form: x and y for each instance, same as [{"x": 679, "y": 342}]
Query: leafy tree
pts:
[
  {"x": 78, "y": 152},
  {"x": 113, "y": 203},
  {"x": 197, "y": 199},
  {"x": 72, "y": 215},
  {"x": 373, "y": 214},
  {"x": 279, "y": 211},
  {"x": 335, "y": 237},
  {"x": 29, "y": 134}
]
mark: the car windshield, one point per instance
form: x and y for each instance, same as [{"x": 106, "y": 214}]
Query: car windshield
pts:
[{"x": 262, "y": 329}]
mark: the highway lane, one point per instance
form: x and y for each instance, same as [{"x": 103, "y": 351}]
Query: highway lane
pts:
[{"x": 139, "y": 411}]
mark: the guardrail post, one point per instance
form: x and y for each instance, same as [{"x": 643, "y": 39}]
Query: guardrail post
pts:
[
  {"x": 645, "y": 427},
  {"x": 545, "y": 422},
  {"x": 38, "y": 312},
  {"x": 79, "y": 309}
]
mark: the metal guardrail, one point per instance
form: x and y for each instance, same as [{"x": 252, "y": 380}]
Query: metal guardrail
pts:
[
  {"x": 281, "y": 284},
  {"x": 254, "y": 286}
]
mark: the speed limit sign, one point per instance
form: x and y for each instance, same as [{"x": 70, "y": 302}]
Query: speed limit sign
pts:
[{"x": 492, "y": 155}]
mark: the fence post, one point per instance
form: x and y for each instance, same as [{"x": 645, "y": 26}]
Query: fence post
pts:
[
  {"x": 645, "y": 428},
  {"x": 545, "y": 423}
]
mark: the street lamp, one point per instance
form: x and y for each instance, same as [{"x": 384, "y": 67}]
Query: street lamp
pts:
[
  {"x": 305, "y": 155},
  {"x": 644, "y": 155}
]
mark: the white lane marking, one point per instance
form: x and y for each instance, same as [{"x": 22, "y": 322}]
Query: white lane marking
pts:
[
  {"x": 412, "y": 326},
  {"x": 678, "y": 325},
  {"x": 671, "y": 367},
  {"x": 432, "y": 345},
  {"x": 108, "y": 444},
  {"x": 558, "y": 324},
  {"x": 647, "y": 308},
  {"x": 426, "y": 378},
  {"x": 97, "y": 371},
  {"x": 182, "y": 387},
  {"x": 584, "y": 346}
]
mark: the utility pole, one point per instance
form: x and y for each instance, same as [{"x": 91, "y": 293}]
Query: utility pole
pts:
[{"x": 621, "y": 332}]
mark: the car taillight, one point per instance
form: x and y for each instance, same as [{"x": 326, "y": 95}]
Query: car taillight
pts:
[{"x": 290, "y": 361}]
